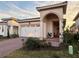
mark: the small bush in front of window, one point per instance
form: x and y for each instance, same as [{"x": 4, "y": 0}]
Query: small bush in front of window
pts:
[
  {"x": 1, "y": 36},
  {"x": 32, "y": 43},
  {"x": 13, "y": 35},
  {"x": 35, "y": 44}
]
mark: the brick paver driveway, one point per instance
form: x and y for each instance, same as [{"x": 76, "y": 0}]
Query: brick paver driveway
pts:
[{"x": 9, "y": 46}]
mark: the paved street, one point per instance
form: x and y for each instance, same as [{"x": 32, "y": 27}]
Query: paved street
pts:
[{"x": 9, "y": 46}]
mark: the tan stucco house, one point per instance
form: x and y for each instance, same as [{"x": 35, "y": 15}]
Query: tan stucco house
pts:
[
  {"x": 76, "y": 19},
  {"x": 49, "y": 22}
]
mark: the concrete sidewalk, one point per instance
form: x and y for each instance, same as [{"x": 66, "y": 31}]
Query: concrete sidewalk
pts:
[{"x": 9, "y": 46}]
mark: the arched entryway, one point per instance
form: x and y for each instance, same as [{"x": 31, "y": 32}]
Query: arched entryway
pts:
[
  {"x": 52, "y": 14},
  {"x": 51, "y": 26}
]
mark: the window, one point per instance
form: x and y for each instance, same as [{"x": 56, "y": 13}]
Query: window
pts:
[
  {"x": 25, "y": 25},
  {"x": 32, "y": 25}
]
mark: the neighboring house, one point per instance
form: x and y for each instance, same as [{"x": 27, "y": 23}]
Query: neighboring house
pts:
[
  {"x": 3, "y": 28},
  {"x": 76, "y": 19},
  {"x": 73, "y": 28},
  {"x": 50, "y": 21},
  {"x": 8, "y": 25}
]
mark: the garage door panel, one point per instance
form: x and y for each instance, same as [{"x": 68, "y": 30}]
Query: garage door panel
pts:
[{"x": 30, "y": 31}]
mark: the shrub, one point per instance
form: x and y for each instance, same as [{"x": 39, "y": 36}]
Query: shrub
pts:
[
  {"x": 13, "y": 35},
  {"x": 32, "y": 43},
  {"x": 68, "y": 37},
  {"x": 35, "y": 44},
  {"x": 1, "y": 36},
  {"x": 76, "y": 37},
  {"x": 71, "y": 39},
  {"x": 5, "y": 37},
  {"x": 46, "y": 46}
]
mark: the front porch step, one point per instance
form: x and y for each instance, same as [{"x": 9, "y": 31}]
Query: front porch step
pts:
[{"x": 54, "y": 44}]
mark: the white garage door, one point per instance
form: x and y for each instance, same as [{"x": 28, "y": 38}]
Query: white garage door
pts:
[{"x": 30, "y": 32}]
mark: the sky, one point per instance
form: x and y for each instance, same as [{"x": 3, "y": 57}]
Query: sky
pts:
[
  {"x": 27, "y": 9},
  {"x": 21, "y": 9}
]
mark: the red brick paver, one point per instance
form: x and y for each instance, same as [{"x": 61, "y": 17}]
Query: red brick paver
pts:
[{"x": 9, "y": 46}]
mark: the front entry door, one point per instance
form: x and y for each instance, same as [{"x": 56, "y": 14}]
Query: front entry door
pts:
[{"x": 55, "y": 29}]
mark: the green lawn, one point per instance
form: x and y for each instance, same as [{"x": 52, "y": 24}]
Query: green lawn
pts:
[{"x": 40, "y": 54}]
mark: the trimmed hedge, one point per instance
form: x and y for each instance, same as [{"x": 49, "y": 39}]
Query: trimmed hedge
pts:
[
  {"x": 35, "y": 44},
  {"x": 32, "y": 43},
  {"x": 1, "y": 36},
  {"x": 14, "y": 36}
]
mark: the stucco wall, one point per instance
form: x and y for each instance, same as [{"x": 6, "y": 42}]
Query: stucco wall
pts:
[{"x": 59, "y": 13}]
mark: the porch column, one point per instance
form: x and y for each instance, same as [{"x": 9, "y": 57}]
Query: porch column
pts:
[
  {"x": 41, "y": 32},
  {"x": 19, "y": 31},
  {"x": 61, "y": 30},
  {"x": 44, "y": 28},
  {"x": 11, "y": 30}
]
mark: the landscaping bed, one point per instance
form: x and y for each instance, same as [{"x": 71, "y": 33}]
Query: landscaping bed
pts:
[{"x": 34, "y": 48}]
